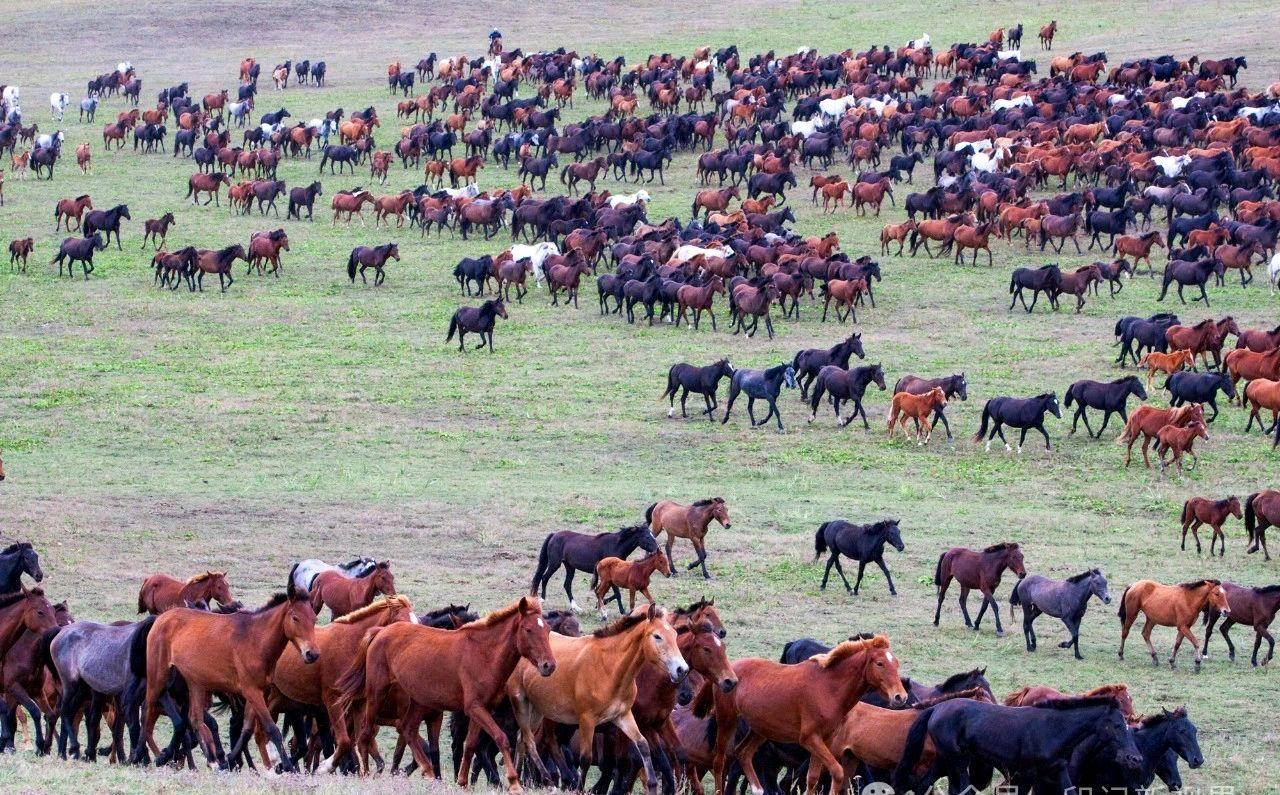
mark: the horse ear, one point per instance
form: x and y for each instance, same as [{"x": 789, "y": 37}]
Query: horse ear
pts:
[
  {"x": 525, "y": 607},
  {"x": 653, "y": 611}
]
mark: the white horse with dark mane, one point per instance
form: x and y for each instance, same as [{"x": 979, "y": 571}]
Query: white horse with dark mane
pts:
[{"x": 306, "y": 571}]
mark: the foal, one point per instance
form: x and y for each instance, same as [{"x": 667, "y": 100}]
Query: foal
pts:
[
  {"x": 1167, "y": 363},
  {"x": 617, "y": 573},
  {"x": 918, "y": 408},
  {"x": 1172, "y": 438},
  {"x": 1199, "y": 511}
]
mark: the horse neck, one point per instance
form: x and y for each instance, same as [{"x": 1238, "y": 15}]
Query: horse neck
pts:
[
  {"x": 192, "y": 591},
  {"x": 11, "y": 569},
  {"x": 847, "y": 688},
  {"x": 625, "y": 649},
  {"x": 266, "y": 638},
  {"x": 1153, "y": 741},
  {"x": 498, "y": 645}
]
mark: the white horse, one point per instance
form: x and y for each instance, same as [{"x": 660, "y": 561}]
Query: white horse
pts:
[
  {"x": 1178, "y": 103},
  {"x": 628, "y": 199},
  {"x": 124, "y": 67},
  {"x": 536, "y": 254},
  {"x": 1009, "y": 55},
  {"x": 466, "y": 192},
  {"x": 1273, "y": 271},
  {"x": 689, "y": 251},
  {"x": 1023, "y": 101},
  {"x": 47, "y": 141},
  {"x": 1254, "y": 114},
  {"x": 806, "y": 128},
  {"x": 916, "y": 44},
  {"x": 12, "y": 95},
  {"x": 988, "y": 163},
  {"x": 835, "y": 108},
  {"x": 1171, "y": 166},
  {"x": 306, "y": 571},
  {"x": 58, "y": 105}
]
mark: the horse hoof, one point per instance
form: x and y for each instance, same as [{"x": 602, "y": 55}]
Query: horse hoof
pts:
[
  {"x": 671, "y": 413},
  {"x": 999, "y": 633}
]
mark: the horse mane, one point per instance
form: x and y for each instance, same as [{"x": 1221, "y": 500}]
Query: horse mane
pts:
[
  {"x": 777, "y": 368},
  {"x": 1083, "y": 576},
  {"x": 848, "y": 648},
  {"x": 1002, "y": 547},
  {"x": 21, "y": 545},
  {"x": 1149, "y": 721},
  {"x": 444, "y": 611},
  {"x": 499, "y": 615},
  {"x": 703, "y": 503},
  {"x": 975, "y": 693},
  {"x": 1267, "y": 589},
  {"x": 82, "y": 196},
  {"x": 10, "y": 599},
  {"x": 1112, "y": 690},
  {"x": 1203, "y": 323},
  {"x": 704, "y": 602},
  {"x": 205, "y": 575},
  {"x": 1079, "y": 702},
  {"x": 621, "y": 625},
  {"x": 956, "y": 679},
  {"x": 374, "y": 607},
  {"x": 275, "y": 601},
  {"x": 1194, "y": 584},
  {"x": 227, "y": 250}
]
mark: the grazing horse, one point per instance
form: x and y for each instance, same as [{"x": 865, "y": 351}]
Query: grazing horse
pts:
[
  {"x": 687, "y": 521},
  {"x": 156, "y": 229},
  {"x": 762, "y": 384},
  {"x": 1110, "y": 397},
  {"x": 1199, "y": 511},
  {"x": 977, "y": 569},
  {"x": 79, "y": 249},
  {"x": 1252, "y": 607},
  {"x": 952, "y": 386},
  {"x": 1046, "y": 279},
  {"x": 917, "y": 407},
  {"x": 160, "y": 592},
  {"x": 364, "y": 257},
  {"x": 616, "y": 573},
  {"x": 845, "y": 385},
  {"x": 71, "y": 209},
  {"x": 863, "y": 543},
  {"x": 705, "y": 381},
  {"x": 1063, "y": 599},
  {"x": 478, "y": 319},
  {"x": 808, "y": 362},
  {"x": 1169, "y": 606},
  {"x": 1167, "y": 363},
  {"x": 805, "y": 703},
  {"x": 1261, "y": 510},
  {"x": 1022, "y": 413},
  {"x": 344, "y": 594},
  {"x": 1146, "y": 421},
  {"x": 581, "y": 552}
]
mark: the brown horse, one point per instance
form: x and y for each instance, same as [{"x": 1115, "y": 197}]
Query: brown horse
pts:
[
  {"x": 156, "y": 229},
  {"x": 160, "y": 592},
  {"x": 1260, "y": 340},
  {"x": 804, "y": 703},
  {"x": 973, "y": 569},
  {"x": 872, "y": 194},
  {"x": 1261, "y": 510},
  {"x": 1169, "y": 606},
  {"x": 1167, "y": 363},
  {"x": 25, "y": 681},
  {"x": 386, "y": 206},
  {"x": 1199, "y": 511},
  {"x": 565, "y": 272},
  {"x": 977, "y": 238},
  {"x": 20, "y": 250},
  {"x": 68, "y": 209},
  {"x": 845, "y": 293},
  {"x": 233, "y": 654},
  {"x": 594, "y": 683},
  {"x": 265, "y": 247},
  {"x": 344, "y": 594},
  {"x": 440, "y": 670},
  {"x": 1262, "y": 393},
  {"x": 1047, "y": 32},
  {"x": 714, "y": 200},
  {"x": 1179, "y": 440},
  {"x": 919, "y": 408},
  {"x": 1253, "y": 607},
  {"x": 350, "y": 203},
  {"x": 614, "y": 573},
  {"x": 1139, "y": 248},
  {"x": 896, "y": 233},
  {"x": 211, "y": 184},
  {"x": 1146, "y": 421},
  {"x": 1036, "y": 695},
  {"x": 1203, "y": 338},
  {"x": 697, "y": 300},
  {"x": 1245, "y": 365},
  {"x": 1077, "y": 282},
  {"x": 687, "y": 521}
]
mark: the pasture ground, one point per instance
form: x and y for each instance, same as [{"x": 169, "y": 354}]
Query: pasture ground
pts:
[{"x": 149, "y": 430}]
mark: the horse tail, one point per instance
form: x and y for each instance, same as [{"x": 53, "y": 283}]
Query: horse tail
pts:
[
  {"x": 191, "y": 187},
  {"x": 911, "y": 752},
  {"x": 672, "y": 384},
  {"x": 1186, "y": 513},
  {"x": 1066, "y": 401},
  {"x": 453, "y": 326},
  {"x": 937, "y": 570},
  {"x": 351, "y": 682},
  {"x": 1012, "y": 286},
  {"x": 795, "y": 360},
  {"x": 44, "y": 654},
  {"x": 142, "y": 599},
  {"x": 138, "y": 648},
  {"x": 816, "y": 391},
  {"x": 648, "y": 515},
  {"x": 351, "y": 265},
  {"x": 819, "y": 544},
  {"x": 1250, "y": 519},
  {"x": 564, "y": 175},
  {"x": 1124, "y": 598},
  {"x": 982, "y": 429},
  {"x": 1014, "y": 599},
  {"x": 541, "y": 571}
]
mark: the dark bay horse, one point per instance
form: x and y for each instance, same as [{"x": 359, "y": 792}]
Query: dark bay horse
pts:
[
  {"x": 79, "y": 249},
  {"x": 809, "y": 361},
  {"x": 845, "y": 385},
  {"x": 1261, "y": 510},
  {"x": 977, "y": 569},
  {"x": 1252, "y": 607},
  {"x": 107, "y": 222},
  {"x": 364, "y": 257},
  {"x": 952, "y": 386},
  {"x": 764, "y": 385},
  {"x": 1021, "y": 413},
  {"x": 1189, "y": 274},
  {"x": 1108, "y": 397},
  {"x": 863, "y": 543},
  {"x": 705, "y": 381},
  {"x": 1046, "y": 279},
  {"x": 687, "y": 521},
  {"x": 218, "y": 262},
  {"x": 15, "y": 560},
  {"x": 1065, "y": 599},
  {"x": 581, "y": 552},
  {"x": 477, "y": 319},
  {"x": 1199, "y": 511}
]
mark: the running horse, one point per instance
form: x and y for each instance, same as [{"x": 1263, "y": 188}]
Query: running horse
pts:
[
  {"x": 845, "y": 385},
  {"x": 763, "y": 385},
  {"x": 477, "y": 319},
  {"x": 977, "y": 569},
  {"x": 344, "y": 594},
  {"x": 160, "y": 592},
  {"x": 1261, "y": 510},
  {"x": 687, "y": 521},
  {"x": 364, "y": 257},
  {"x": 1146, "y": 421},
  {"x": 1253, "y": 607},
  {"x": 863, "y": 543},
  {"x": 71, "y": 209},
  {"x": 1169, "y": 606},
  {"x": 1110, "y": 397},
  {"x": 705, "y": 381},
  {"x": 1021, "y": 413},
  {"x": 1063, "y": 599}
]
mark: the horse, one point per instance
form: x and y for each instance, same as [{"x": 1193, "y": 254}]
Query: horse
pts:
[
  {"x": 808, "y": 362},
  {"x": 1139, "y": 247},
  {"x": 344, "y": 594},
  {"x": 1261, "y": 510},
  {"x": 67, "y": 210},
  {"x": 234, "y": 654},
  {"x": 698, "y": 299},
  {"x": 350, "y": 202},
  {"x": 846, "y": 293},
  {"x": 160, "y": 592},
  {"x": 804, "y": 703},
  {"x": 1189, "y": 273},
  {"x": 1046, "y": 279},
  {"x": 581, "y": 552},
  {"x": 15, "y": 560},
  {"x": 617, "y": 573},
  {"x": 952, "y": 386},
  {"x": 1146, "y": 421},
  {"x": 1161, "y": 740},
  {"x": 1253, "y": 607},
  {"x": 1063, "y": 599},
  {"x": 917, "y": 407},
  {"x": 1110, "y": 397},
  {"x": 107, "y": 222},
  {"x": 1022, "y": 413},
  {"x": 156, "y": 230},
  {"x": 863, "y": 543},
  {"x": 705, "y": 381},
  {"x": 753, "y": 302},
  {"x": 79, "y": 249},
  {"x": 265, "y": 247},
  {"x": 478, "y": 319},
  {"x": 1077, "y": 283},
  {"x": 303, "y": 197},
  {"x": 19, "y": 250},
  {"x": 1169, "y": 606},
  {"x": 218, "y": 262},
  {"x": 364, "y": 257},
  {"x": 1199, "y": 511},
  {"x": 207, "y": 183},
  {"x": 1167, "y": 363},
  {"x": 846, "y": 385},
  {"x": 977, "y": 569},
  {"x": 764, "y": 385},
  {"x": 1185, "y": 387},
  {"x": 687, "y": 521},
  {"x": 1243, "y": 364},
  {"x": 565, "y": 272},
  {"x": 1203, "y": 338},
  {"x": 1262, "y": 393},
  {"x": 1047, "y": 33}
]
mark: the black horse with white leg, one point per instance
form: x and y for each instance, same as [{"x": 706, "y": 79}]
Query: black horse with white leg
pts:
[
  {"x": 863, "y": 543},
  {"x": 1021, "y": 413}
]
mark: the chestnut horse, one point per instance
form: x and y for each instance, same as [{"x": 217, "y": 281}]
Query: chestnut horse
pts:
[
  {"x": 982, "y": 570},
  {"x": 1169, "y": 606},
  {"x": 1036, "y": 695},
  {"x": 918, "y": 408},
  {"x": 804, "y": 703},
  {"x": 1179, "y": 441},
  {"x": 160, "y": 592},
  {"x": 1262, "y": 393},
  {"x": 345, "y": 594},
  {"x": 614, "y": 572},
  {"x": 1199, "y": 511},
  {"x": 687, "y": 521},
  {"x": 1167, "y": 363},
  {"x": 68, "y": 209},
  {"x": 1146, "y": 421}
]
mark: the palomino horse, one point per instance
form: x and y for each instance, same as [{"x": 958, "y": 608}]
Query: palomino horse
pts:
[
  {"x": 1146, "y": 421},
  {"x": 160, "y": 592},
  {"x": 594, "y": 683},
  {"x": 1253, "y": 607},
  {"x": 982, "y": 570},
  {"x": 1169, "y": 606},
  {"x": 616, "y": 573},
  {"x": 1261, "y": 510},
  {"x": 1199, "y": 511},
  {"x": 345, "y": 594},
  {"x": 234, "y": 654},
  {"x": 1064, "y": 599},
  {"x": 804, "y": 703},
  {"x": 462, "y": 670},
  {"x": 687, "y": 521}
]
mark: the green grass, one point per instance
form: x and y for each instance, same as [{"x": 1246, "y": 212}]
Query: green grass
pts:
[{"x": 146, "y": 430}]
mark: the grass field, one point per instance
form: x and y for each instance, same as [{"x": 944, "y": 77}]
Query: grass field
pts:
[{"x": 146, "y": 430}]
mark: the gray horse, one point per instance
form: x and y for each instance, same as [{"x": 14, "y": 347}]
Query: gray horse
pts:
[
  {"x": 1064, "y": 599},
  {"x": 306, "y": 571},
  {"x": 94, "y": 663},
  {"x": 762, "y": 384}
]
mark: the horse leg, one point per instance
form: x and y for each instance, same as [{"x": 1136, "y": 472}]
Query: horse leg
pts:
[
  {"x": 862, "y": 567},
  {"x": 1146, "y": 638},
  {"x": 1106, "y": 417},
  {"x": 569, "y": 571},
  {"x": 964, "y": 607},
  {"x": 751, "y": 402},
  {"x": 942, "y": 593},
  {"x": 701, "y": 549},
  {"x": 1044, "y": 433}
]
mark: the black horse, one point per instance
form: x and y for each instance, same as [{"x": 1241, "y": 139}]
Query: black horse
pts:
[
  {"x": 1108, "y": 397},
  {"x": 1065, "y": 599},
  {"x": 16, "y": 560},
  {"x": 765, "y": 184},
  {"x": 479, "y": 319},
  {"x": 303, "y": 197},
  {"x": 704, "y": 381},
  {"x": 1188, "y": 387},
  {"x": 339, "y": 154},
  {"x": 863, "y": 543},
  {"x": 473, "y": 269},
  {"x": 810, "y": 361},
  {"x": 1046, "y": 279},
  {"x": 79, "y": 249},
  {"x": 107, "y": 221},
  {"x": 1022, "y": 413},
  {"x": 1190, "y": 274},
  {"x": 581, "y": 552},
  {"x": 1161, "y": 740},
  {"x": 845, "y": 385},
  {"x": 762, "y": 384},
  {"x": 1147, "y": 333},
  {"x": 645, "y": 292}
]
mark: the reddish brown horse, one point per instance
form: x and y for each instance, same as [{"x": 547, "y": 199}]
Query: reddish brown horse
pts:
[
  {"x": 1179, "y": 440},
  {"x": 714, "y": 200},
  {"x": 265, "y": 247},
  {"x": 1203, "y": 338},
  {"x": 156, "y": 229},
  {"x": 68, "y": 209},
  {"x": 696, "y": 300},
  {"x": 565, "y": 272},
  {"x": 918, "y": 408},
  {"x": 977, "y": 569},
  {"x": 1262, "y": 393},
  {"x": 1146, "y": 421},
  {"x": 207, "y": 183},
  {"x": 687, "y": 521},
  {"x": 344, "y": 594},
  {"x": 20, "y": 250},
  {"x": 1036, "y": 695},
  {"x": 1253, "y": 607},
  {"x": 160, "y": 592},
  {"x": 350, "y": 203},
  {"x": 1245, "y": 365},
  {"x": 1169, "y": 606},
  {"x": 1199, "y": 511},
  {"x": 613, "y": 573},
  {"x": 1261, "y": 510}
]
